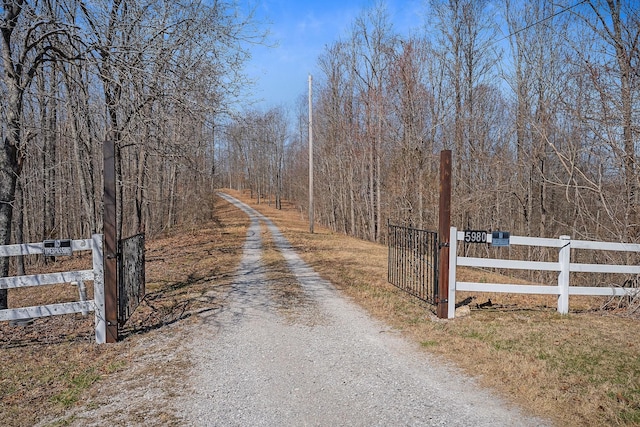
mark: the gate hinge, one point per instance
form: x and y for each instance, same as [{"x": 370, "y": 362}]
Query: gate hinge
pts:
[{"x": 444, "y": 244}]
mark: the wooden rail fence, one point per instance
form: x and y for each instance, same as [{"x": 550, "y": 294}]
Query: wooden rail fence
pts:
[
  {"x": 96, "y": 275},
  {"x": 563, "y": 266}
]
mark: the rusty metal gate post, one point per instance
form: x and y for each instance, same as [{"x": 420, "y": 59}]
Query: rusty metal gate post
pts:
[
  {"x": 110, "y": 243},
  {"x": 444, "y": 224}
]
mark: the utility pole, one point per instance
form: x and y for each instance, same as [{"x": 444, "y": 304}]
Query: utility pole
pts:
[{"x": 311, "y": 219}]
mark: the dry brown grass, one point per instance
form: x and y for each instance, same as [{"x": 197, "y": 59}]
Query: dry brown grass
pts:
[
  {"x": 54, "y": 364},
  {"x": 291, "y": 301},
  {"x": 580, "y": 369}
]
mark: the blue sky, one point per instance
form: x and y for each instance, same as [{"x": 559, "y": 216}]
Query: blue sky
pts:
[{"x": 301, "y": 30}]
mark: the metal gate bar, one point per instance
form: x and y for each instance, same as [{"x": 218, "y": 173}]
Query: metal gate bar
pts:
[{"x": 413, "y": 261}]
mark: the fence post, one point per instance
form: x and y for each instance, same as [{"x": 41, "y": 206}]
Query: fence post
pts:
[
  {"x": 453, "y": 260},
  {"x": 564, "y": 257},
  {"x": 444, "y": 224},
  {"x": 98, "y": 288},
  {"x": 110, "y": 241}
]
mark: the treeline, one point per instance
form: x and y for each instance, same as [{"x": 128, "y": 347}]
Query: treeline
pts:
[
  {"x": 253, "y": 153},
  {"x": 538, "y": 100},
  {"x": 154, "y": 76}
]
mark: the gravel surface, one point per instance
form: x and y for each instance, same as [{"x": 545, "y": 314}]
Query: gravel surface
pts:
[{"x": 324, "y": 363}]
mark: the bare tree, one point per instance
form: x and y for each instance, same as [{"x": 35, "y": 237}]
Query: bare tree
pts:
[
  {"x": 30, "y": 38},
  {"x": 616, "y": 80},
  {"x": 537, "y": 56},
  {"x": 375, "y": 44},
  {"x": 468, "y": 55}
]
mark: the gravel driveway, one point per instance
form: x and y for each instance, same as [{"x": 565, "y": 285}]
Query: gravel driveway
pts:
[
  {"x": 311, "y": 359},
  {"x": 324, "y": 363}
]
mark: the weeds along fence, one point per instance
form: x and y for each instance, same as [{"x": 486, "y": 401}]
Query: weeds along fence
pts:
[
  {"x": 96, "y": 274},
  {"x": 413, "y": 261},
  {"x": 563, "y": 267}
]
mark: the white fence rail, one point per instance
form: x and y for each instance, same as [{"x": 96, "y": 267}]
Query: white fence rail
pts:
[
  {"x": 96, "y": 274},
  {"x": 563, "y": 266}
]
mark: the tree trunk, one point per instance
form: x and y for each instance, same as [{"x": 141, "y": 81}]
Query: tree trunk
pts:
[
  {"x": 10, "y": 167},
  {"x": 49, "y": 122},
  {"x": 10, "y": 161},
  {"x": 9, "y": 170}
]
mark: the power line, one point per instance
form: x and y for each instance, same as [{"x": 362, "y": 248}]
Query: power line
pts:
[{"x": 542, "y": 20}]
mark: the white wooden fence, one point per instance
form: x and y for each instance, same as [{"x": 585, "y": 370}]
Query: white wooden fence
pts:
[
  {"x": 563, "y": 266},
  {"x": 96, "y": 275}
]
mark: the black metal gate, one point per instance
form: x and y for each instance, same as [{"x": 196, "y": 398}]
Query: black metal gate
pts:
[
  {"x": 131, "y": 280},
  {"x": 413, "y": 261}
]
